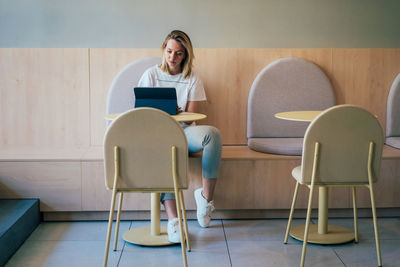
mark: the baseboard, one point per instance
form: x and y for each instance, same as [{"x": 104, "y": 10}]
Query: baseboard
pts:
[{"x": 220, "y": 214}]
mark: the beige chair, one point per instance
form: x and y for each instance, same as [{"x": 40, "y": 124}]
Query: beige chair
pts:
[
  {"x": 145, "y": 150},
  {"x": 342, "y": 147}
]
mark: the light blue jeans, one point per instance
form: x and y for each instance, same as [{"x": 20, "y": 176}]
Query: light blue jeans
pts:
[{"x": 207, "y": 139}]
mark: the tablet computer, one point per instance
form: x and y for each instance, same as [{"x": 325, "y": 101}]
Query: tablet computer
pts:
[{"x": 163, "y": 98}]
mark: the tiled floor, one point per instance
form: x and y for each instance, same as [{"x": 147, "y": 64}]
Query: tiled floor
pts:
[{"x": 226, "y": 243}]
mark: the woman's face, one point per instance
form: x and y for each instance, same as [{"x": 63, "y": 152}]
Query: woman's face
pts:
[{"x": 174, "y": 53}]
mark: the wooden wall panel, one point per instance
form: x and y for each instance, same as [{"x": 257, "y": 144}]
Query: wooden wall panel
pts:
[
  {"x": 56, "y": 184},
  {"x": 44, "y": 98},
  {"x": 45, "y": 92},
  {"x": 363, "y": 77},
  {"x": 266, "y": 184},
  {"x": 386, "y": 189}
]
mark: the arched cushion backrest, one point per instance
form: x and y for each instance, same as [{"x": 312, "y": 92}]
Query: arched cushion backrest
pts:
[
  {"x": 393, "y": 109},
  {"x": 344, "y": 133},
  {"x": 120, "y": 96},
  {"x": 287, "y": 84},
  {"x": 145, "y": 137}
]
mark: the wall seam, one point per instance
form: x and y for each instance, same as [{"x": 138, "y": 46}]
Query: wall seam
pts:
[{"x": 90, "y": 102}]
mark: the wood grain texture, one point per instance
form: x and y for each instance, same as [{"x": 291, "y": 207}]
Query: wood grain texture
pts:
[
  {"x": 386, "y": 189},
  {"x": 56, "y": 184},
  {"x": 363, "y": 77},
  {"x": 57, "y": 97},
  {"x": 44, "y": 98}
]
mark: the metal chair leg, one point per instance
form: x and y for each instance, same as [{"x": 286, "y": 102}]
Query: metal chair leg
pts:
[
  {"x": 110, "y": 219},
  {"x": 315, "y": 166},
  {"x": 185, "y": 221},
  {"x": 178, "y": 209},
  {"x": 114, "y": 195},
  {"x": 291, "y": 213},
  {"x": 303, "y": 252},
  {"x": 371, "y": 191},
  {"x": 118, "y": 220},
  {"x": 355, "y": 214},
  {"x": 178, "y": 204},
  {"x": 377, "y": 241}
]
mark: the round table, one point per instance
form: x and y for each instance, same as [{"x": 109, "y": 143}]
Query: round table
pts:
[
  {"x": 306, "y": 115},
  {"x": 321, "y": 233},
  {"x": 155, "y": 235},
  {"x": 181, "y": 117}
]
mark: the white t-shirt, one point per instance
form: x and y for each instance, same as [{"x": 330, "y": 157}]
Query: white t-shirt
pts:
[{"x": 189, "y": 89}]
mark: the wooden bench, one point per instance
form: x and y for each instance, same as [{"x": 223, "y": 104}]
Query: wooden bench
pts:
[{"x": 251, "y": 184}]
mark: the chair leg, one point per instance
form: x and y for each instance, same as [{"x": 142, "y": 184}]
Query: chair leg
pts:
[
  {"x": 314, "y": 171},
  {"x": 178, "y": 204},
  {"x": 303, "y": 252},
  {"x": 118, "y": 220},
  {"x": 371, "y": 191},
  {"x": 185, "y": 221},
  {"x": 179, "y": 209},
  {"x": 291, "y": 213},
  {"x": 355, "y": 214},
  {"x": 110, "y": 219},
  {"x": 378, "y": 247}
]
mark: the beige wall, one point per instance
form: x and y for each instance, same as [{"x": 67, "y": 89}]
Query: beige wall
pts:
[{"x": 210, "y": 23}]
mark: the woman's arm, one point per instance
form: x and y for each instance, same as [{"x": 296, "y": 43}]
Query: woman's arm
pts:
[{"x": 192, "y": 106}]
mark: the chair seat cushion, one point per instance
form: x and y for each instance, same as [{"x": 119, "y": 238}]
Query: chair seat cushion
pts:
[
  {"x": 393, "y": 141},
  {"x": 281, "y": 146}
]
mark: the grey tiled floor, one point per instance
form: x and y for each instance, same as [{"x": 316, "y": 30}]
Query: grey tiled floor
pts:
[{"x": 226, "y": 243}]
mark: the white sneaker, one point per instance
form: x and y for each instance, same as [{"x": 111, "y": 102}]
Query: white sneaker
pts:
[
  {"x": 174, "y": 235},
  {"x": 204, "y": 208}
]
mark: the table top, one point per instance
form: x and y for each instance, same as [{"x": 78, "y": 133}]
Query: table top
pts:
[
  {"x": 305, "y": 115},
  {"x": 181, "y": 117}
]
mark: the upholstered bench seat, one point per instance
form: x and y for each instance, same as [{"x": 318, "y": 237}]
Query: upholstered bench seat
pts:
[
  {"x": 282, "y": 146},
  {"x": 393, "y": 115},
  {"x": 393, "y": 141},
  {"x": 286, "y": 84}
]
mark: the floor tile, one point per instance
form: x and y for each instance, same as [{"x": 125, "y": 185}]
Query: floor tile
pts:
[
  {"x": 275, "y": 253},
  {"x": 363, "y": 254},
  {"x": 389, "y": 228},
  {"x": 62, "y": 253},
  {"x": 248, "y": 243},
  {"x": 204, "y": 253},
  {"x": 257, "y": 230},
  {"x": 75, "y": 231}
]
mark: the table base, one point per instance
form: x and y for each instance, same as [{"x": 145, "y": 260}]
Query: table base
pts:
[
  {"x": 142, "y": 236},
  {"x": 335, "y": 235}
]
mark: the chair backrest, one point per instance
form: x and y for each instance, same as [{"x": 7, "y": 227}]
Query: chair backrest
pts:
[
  {"x": 393, "y": 109},
  {"x": 120, "y": 96},
  {"x": 344, "y": 133},
  {"x": 145, "y": 137},
  {"x": 287, "y": 84}
]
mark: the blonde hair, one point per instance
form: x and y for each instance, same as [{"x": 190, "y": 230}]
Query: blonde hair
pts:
[{"x": 187, "y": 62}]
